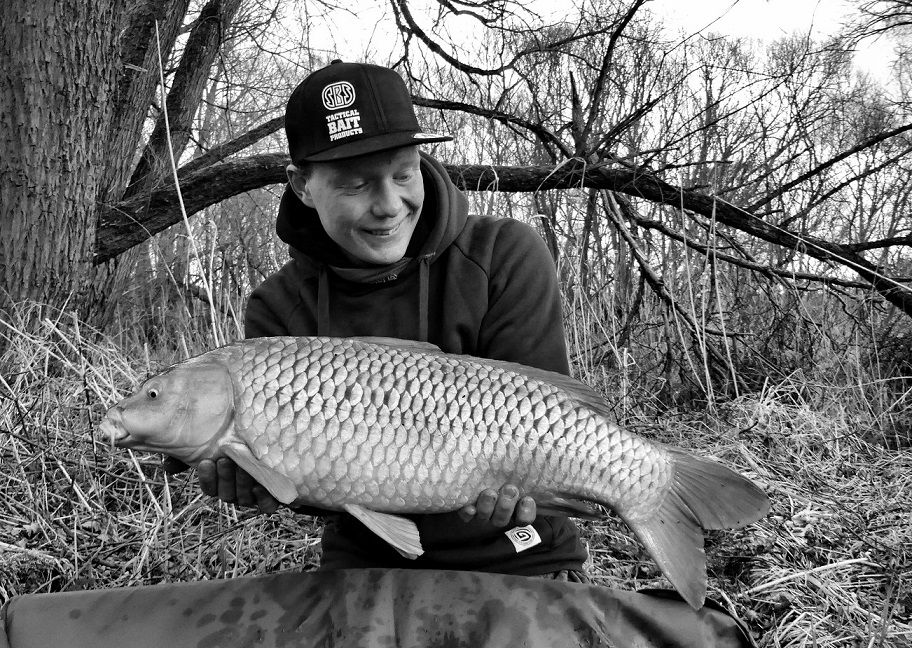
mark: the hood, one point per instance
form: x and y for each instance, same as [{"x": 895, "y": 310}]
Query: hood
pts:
[{"x": 443, "y": 216}]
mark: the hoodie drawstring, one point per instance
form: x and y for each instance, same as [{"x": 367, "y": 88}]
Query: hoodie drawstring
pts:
[
  {"x": 324, "y": 325},
  {"x": 323, "y": 302},
  {"x": 423, "y": 280}
]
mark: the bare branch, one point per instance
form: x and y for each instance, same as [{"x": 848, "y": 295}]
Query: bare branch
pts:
[
  {"x": 892, "y": 160},
  {"x": 186, "y": 88},
  {"x": 599, "y": 87},
  {"x": 136, "y": 82},
  {"x": 135, "y": 219},
  {"x": 407, "y": 24},
  {"x": 132, "y": 221},
  {"x": 544, "y": 135},
  {"x": 883, "y": 243},
  {"x": 223, "y": 151},
  {"x": 401, "y": 9},
  {"x": 879, "y": 17},
  {"x": 707, "y": 250},
  {"x": 820, "y": 168}
]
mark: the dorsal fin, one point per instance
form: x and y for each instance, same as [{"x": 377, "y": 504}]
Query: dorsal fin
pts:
[{"x": 399, "y": 343}]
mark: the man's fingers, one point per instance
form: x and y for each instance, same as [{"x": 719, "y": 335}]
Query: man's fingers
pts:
[
  {"x": 265, "y": 502},
  {"x": 525, "y": 512},
  {"x": 484, "y": 507},
  {"x": 244, "y": 484},
  {"x": 502, "y": 508},
  {"x": 506, "y": 506},
  {"x": 227, "y": 491},
  {"x": 467, "y": 512},
  {"x": 208, "y": 477}
]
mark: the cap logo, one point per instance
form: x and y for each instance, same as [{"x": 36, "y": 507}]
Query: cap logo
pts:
[{"x": 338, "y": 95}]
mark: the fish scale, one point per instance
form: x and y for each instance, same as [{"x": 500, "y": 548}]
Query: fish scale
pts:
[{"x": 379, "y": 427}]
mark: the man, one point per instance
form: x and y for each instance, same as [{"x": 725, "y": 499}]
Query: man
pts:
[{"x": 381, "y": 244}]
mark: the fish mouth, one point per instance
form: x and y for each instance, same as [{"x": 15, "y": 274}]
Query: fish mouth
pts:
[{"x": 111, "y": 430}]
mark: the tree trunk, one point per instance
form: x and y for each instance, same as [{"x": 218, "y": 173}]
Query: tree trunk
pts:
[
  {"x": 138, "y": 80},
  {"x": 153, "y": 25},
  {"x": 185, "y": 94},
  {"x": 57, "y": 76}
]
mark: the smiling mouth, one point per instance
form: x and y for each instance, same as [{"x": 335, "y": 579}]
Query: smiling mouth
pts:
[{"x": 389, "y": 231}]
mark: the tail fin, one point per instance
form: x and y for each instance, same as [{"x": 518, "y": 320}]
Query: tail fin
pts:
[{"x": 704, "y": 494}]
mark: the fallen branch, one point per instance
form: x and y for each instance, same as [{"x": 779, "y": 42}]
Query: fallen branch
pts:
[{"x": 132, "y": 221}]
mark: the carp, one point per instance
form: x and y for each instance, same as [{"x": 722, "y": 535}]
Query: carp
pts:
[{"x": 379, "y": 427}]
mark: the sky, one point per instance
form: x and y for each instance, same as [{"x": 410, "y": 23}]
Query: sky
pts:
[
  {"x": 763, "y": 19},
  {"x": 770, "y": 19}
]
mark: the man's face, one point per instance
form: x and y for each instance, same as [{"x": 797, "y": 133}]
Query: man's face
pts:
[{"x": 368, "y": 205}]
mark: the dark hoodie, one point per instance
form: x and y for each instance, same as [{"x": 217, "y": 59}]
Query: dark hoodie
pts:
[{"x": 474, "y": 285}]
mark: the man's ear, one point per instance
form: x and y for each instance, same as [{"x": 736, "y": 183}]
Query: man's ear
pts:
[{"x": 298, "y": 184}]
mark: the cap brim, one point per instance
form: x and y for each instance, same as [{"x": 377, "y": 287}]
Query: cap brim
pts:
[{"x": 375, "y": 145}]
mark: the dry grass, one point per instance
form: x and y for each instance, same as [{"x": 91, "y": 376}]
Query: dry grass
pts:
[
  {"x": 81, "y": 515},
  {"x": 829, "y": 566}
]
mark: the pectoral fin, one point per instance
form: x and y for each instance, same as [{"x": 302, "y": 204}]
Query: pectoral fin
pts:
[
  {"x": 398, "y": 531},
  {"x": 280, "y": 486}
]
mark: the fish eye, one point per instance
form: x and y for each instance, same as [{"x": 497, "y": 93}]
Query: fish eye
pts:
[{"x": 153, "y": 393}]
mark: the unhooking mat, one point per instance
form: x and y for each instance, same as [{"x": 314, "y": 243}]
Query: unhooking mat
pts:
[{"x": 365, "y": 607}]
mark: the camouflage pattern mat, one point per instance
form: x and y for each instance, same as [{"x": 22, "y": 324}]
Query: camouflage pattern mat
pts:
[{"x": 365, "y": 607}]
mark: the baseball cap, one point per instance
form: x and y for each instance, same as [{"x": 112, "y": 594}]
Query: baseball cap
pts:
[{"x": 348, "y": 109}]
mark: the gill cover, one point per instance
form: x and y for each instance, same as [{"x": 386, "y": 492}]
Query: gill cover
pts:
[{"x": 180, "y": 412}]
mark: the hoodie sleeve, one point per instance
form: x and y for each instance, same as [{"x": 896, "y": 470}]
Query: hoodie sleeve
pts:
[{"x": 524, "y": 322}]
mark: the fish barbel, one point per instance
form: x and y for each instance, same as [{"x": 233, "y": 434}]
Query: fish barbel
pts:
[{"x": 376, "y": 427}]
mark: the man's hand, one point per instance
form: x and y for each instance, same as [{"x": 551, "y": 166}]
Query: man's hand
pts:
[
  {"x": 501, "y": 509},
  {"x": 223, "y": 479}
]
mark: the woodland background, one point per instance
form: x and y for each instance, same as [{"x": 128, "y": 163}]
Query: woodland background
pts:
[{"x": 729, "y": 221}]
